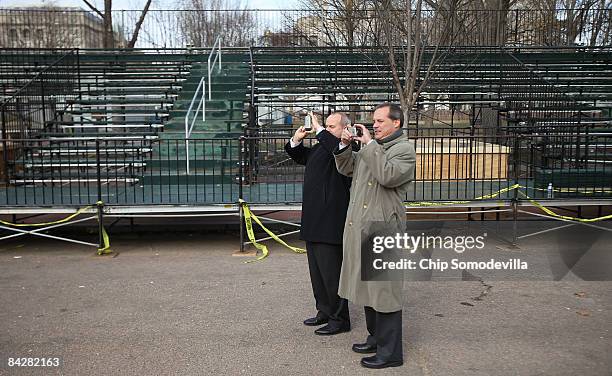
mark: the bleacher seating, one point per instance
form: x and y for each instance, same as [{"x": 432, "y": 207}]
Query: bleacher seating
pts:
[
  {"x": 552, "y": 98},
  {"x": 129, "y": 109},
  {"x": 122, "y": 103}
]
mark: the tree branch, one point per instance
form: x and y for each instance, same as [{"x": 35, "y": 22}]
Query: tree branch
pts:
[
  {"x": 383, "y": 12},
  {"x": 139, "y": 24},
  {"x": 93, "y": 8}
]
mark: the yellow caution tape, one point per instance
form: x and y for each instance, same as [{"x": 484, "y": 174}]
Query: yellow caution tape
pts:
[
  {"x": 553, "y": 214},
  {"x": 105, "y": 249},
  {"x": 491, "y": 195},
  {"x": 68, "y": 218},
  {"x": 248, "y": 215},
  {"x": 532, "y": 201}
]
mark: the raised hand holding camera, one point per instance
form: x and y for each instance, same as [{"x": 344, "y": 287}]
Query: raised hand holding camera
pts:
[
  {"x": 346, "y": 136},
  {"x": 299, "y": 135},
  {"x": 314, "y": 121},
  {"x": 362, "y": 134}
]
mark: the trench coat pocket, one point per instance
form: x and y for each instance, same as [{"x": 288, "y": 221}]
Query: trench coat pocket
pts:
[
  {"x": 395, "y": 221},
  {"x": 378, "y": 214}
]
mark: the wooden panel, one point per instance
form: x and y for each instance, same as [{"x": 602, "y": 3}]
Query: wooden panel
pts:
[{"x": 460, "y": 159}]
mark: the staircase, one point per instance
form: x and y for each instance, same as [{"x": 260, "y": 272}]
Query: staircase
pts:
[{"x": 213, "y": 143}]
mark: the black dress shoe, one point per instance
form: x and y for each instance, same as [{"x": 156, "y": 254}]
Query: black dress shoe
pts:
[
  {"x": 315, "y": 321},
  {"x": 364, "y": 348},
  {"x": 329, "y": 330},
  {"x": 375, "y": 362}
]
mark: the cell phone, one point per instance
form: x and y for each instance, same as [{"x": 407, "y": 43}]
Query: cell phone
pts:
[{"x": 308, "y": 122}]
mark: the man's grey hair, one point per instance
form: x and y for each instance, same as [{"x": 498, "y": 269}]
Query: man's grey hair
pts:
[{"x": 344, "y": 119}]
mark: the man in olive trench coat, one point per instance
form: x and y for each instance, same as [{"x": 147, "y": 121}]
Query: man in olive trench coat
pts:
[{"x": 382, "y": 171}]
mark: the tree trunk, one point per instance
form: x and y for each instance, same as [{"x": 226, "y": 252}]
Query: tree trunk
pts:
[
  {"x": 109, "y": 38},
  {"x": 406, "y": 112}
]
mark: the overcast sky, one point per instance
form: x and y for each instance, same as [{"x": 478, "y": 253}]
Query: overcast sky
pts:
[{"x": 157, "y": 4}]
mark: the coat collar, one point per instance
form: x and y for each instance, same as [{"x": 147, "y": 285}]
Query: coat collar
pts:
[{"x": 392, "y": 139}]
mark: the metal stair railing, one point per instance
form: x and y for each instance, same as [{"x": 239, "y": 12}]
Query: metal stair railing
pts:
[
  {"x": 189, "y": 125},
  {"x": 217, "y": 45},
  {"x": 202, "y": 103}
]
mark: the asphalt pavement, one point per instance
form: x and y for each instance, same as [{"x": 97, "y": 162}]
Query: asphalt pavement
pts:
[{"x": 181, "y": 303}]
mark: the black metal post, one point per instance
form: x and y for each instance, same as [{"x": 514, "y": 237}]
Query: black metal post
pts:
[
  {"x": 241, "y": 148},
  {"x": 4, "y": 151},
  {"x": 80, "y": 92},
  {"x": 42, "y": 100},
  {"x": 5, "y": 165},
  {"x": 3, "y": 109},
  {"x": 515, "y": 197},
  {"x": 99, "y": 203}
]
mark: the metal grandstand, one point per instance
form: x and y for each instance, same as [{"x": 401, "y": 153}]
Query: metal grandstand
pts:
[{"x": 105, "y": 129}]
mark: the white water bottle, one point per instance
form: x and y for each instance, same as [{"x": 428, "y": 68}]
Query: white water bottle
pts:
[{"x": 549, "y": 191}]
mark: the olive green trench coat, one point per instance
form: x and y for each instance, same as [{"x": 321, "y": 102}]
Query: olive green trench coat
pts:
[{"x": 381, "y": 176}]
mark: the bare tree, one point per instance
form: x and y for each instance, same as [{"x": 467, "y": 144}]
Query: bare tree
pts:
[
  {"x": 564, "y": 22},
  {"x": 414, "y": 51},
  {"x": 601, "y": 29},
  {"x": 167, "y": 31},
  {"x": 143, "y": 14},
  {"x": 107, "y": 19},
  {"x": 350, "y": 23},
  {"x": 202, "y": 21}
]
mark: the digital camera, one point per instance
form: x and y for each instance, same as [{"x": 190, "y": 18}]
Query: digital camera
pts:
[
  {"x": 355, "y": 132},
  {"x": 308, "y": 122}
]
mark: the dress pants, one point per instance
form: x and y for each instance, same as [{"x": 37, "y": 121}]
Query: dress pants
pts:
[
  {"x": 324, "y": 263},
  {"x": 386, "y": 332}
]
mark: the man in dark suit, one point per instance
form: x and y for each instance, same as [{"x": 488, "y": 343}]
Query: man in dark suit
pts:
[{"x": 324, "y": 205}]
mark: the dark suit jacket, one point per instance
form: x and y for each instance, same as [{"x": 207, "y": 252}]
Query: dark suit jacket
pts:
[{"x": 326, "y": 192}]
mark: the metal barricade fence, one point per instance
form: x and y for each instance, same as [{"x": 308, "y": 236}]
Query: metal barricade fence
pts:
[{"x": 145, "y": 172}]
